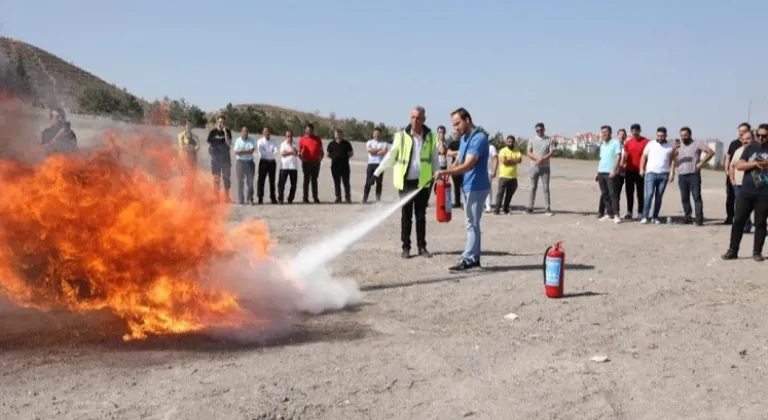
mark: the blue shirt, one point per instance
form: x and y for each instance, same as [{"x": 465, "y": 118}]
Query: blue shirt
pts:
[
  {"x": 244, "y": 145},
  {"x": 475, "y": 144},
  {"x": 608, "y": 153}
]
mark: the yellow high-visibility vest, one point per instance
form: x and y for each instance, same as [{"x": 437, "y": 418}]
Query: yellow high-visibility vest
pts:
[{"x": 401, "y": 166}]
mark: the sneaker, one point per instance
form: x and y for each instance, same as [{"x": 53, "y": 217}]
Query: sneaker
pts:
[
  {"x": 464, "y": 265},
  {"x": 617, "y": 220},
  {"x": 729, "y": 255},
  {"x": 604, "y": 218},
  {"x": 628, "y": 216},
  {"x": 406, "y": 253},
  {"x": 549, "y": 212},
  {"x": 758, "y": 257},
  {"x": 656, "y": 221},
  {"x": 644, "y": 221}
]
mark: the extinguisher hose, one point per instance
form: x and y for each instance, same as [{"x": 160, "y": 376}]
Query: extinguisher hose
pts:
[{"x": 544, "y": 263}]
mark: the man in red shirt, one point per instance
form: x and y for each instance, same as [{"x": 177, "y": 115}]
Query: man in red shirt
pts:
[
  {"x": 311, "y": 154},
  {"x": 633, "y": 154}
]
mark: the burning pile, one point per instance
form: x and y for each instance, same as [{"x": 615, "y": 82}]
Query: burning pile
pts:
[{"x": 110, "y": 229}]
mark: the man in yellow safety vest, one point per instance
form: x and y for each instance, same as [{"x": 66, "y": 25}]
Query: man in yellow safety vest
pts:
[{"x": 415, "y": 159}]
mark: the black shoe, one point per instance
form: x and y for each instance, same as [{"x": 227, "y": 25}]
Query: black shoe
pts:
[
  {"x": 305, "y": 201},
  {"x": 274, "y": 201},
  {"x": 337, "y": 201},
  {"x": 758, "y": 257},
  {"x": 406, "y": 253},
  {"x": 729, "y": 255},
  {"x": 699, "y": 222},
  {"x": 348, "y": 201},
  {"x": 317, "y": 201},
  {"x": 261, "y": 201},
  {"x": 464, "y": 265},
  {"x": 281, "y": 201},
  {"x": 528, "y": 211},
  {"x": 424, "y": 253},
  {"x": 728, "y": 221},
  {"x": 687, "y": 220}
]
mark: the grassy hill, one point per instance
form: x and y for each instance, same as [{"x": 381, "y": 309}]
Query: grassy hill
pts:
[
  {"x": 53, "y": 79},
  {"x": 57, "y": 82}
]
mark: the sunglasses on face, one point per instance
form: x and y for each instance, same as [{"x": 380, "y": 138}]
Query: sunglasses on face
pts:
[{"x": 761, "y": 136}]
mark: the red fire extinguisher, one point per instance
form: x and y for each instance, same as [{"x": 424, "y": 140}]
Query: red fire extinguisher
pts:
[
  {"x": 554, "y": 270},
  {"x": 443, "y": 192}
]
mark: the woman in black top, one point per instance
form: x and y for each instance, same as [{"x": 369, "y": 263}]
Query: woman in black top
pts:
[{"x": 753, "y": 196}]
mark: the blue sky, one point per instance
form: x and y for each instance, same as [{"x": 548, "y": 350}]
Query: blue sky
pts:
[{"x": 574, "y": 65}]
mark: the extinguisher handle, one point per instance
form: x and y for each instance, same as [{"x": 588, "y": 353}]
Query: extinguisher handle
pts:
[{"x": 544, "y": 263}]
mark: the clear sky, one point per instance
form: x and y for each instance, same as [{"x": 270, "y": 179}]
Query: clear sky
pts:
[{"x": 574, "y": 65}]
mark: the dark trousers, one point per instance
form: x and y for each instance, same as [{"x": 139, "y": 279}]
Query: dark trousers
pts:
[
  {"x": 506, "y": 189},
  {"x": 378, "y": 180},
  {"x": 609, "y": 194},
  {"x": 690, "y": 185},
  {"x": 221, "y": 168},
  {"x": 634, "y": 183},
  {"x": 730, "y": 199},
  {"x": 417, "y": 206},
  {"x": 244, "y": 171},
  {"x": 285, "y": 175},
  {"x": 340, "y": 176},
  {"x": 310, "y": 171},
  {"x": 746, "y": 204},
  {"x": 267, "y": 169},
  {"x": 457, "y": 181},
  {"x": 736, "y": 194},
  {"x": 619, "y": 180}
]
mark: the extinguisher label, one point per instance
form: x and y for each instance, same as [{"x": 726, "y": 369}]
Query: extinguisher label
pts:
[
  {"x": 554, "y": 265},
  {"x": 448, "y": 198}
]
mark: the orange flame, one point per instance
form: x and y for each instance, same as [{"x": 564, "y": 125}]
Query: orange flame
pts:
[{"x": 99, "y": 230}]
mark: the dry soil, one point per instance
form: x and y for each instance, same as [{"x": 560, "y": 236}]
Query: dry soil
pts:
[{"x": 682, "y": 330}]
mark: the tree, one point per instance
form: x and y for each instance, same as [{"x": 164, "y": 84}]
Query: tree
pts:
[
  {"x": 131, "y": 107},
  {"x": 99, "y": 101}
]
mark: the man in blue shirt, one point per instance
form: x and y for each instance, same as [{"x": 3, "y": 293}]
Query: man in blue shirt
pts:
[
  {"x": 607, "y": 171},
  {"x": 472, "y": 162}
]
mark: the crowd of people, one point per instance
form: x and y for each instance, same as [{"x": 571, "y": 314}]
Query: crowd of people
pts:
[{"x": 641, "y": 167}]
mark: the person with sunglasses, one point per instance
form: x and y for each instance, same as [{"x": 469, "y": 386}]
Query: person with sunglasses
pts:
[{"x": 752, "y": 197}]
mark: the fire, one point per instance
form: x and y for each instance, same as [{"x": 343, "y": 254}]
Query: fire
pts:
[{"x": 109, "y": 229}]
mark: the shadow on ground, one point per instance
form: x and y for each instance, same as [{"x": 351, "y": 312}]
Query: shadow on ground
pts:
[
  {"x": 486, "y": 253},
  {"x": 472, "y": 274},
  {"x": 30, "y": 330}
]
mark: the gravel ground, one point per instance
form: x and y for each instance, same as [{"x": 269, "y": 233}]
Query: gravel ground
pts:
[{"x": 680, "y": 329}]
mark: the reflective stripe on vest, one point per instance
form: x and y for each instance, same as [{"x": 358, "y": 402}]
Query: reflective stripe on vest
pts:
[{"x": 401, "y": 166}]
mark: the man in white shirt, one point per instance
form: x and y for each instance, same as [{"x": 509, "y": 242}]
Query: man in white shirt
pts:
[
  {"x": 268, "y": 152},
  {"x": 244, "y": 170},
  {"x": 376, "y": 149},
  {"x": 657, "y": 166},
  {"x": 493, "y": 167},
  {"x": 289, "y": 167}
]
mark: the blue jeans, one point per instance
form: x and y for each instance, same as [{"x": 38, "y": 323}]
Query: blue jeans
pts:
[
  {"x": 655, "y": 184},
  {"x": 736, "y": 194},
  {"x": 473, "y": 211}
]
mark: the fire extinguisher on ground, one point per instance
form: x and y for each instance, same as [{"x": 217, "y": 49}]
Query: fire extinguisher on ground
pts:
[
  {"x": 554, "y": 270},
  {"x": 443, "y": 193}
]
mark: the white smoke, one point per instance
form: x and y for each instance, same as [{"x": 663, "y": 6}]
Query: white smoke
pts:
[{"x": 281, "y": 288}]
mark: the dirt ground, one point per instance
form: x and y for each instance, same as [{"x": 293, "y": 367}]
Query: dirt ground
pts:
[{"x": 682, "y": 329}]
